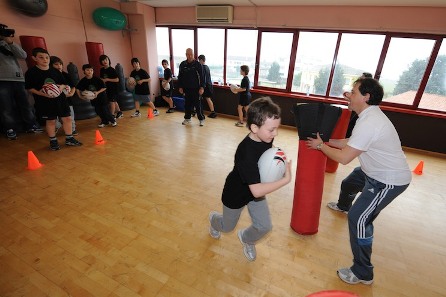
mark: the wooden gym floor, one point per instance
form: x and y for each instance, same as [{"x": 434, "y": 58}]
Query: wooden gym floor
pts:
[{"x": 130, "y": 218}]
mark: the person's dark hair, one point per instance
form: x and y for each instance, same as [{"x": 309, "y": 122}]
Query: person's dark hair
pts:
[
  {"x": 367, "y": 74},
  {"x": 102, "y": 58},
  {"x": 134, "y": 60},
  {"x": 39, "y": 50},
  {"x": 86, "y": 66},
  {"x": 202, "y": 57},
  {"x": 372, "y": 87},
  {"x": 165, "y": 61},
  {"x": 245, "y": 69},
  {"x": 261, "y": 109},
  {"x": 55, "y": 59}
]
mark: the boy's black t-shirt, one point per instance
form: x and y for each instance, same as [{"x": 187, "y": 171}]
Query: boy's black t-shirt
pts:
[
  {"x": 236, "y": 193},
  {"x": 93, "y": 84},
  {"x": 141, "y": 89},
  {"x": 112, "y": 87},
  {"x": 245, "y": 84},
  {"x": 35, "y": 78}
]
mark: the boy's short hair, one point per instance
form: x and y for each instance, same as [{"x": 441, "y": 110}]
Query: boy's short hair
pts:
[
  {"x": 202, "y": 58},
  {"x": 39, "y": 50},
  {"x": 245, "y": 69},
  {"x": 163, "y": 61},
  {"x": 102, "y": 58},
  {"x": 372, "y": 87},
  {"x": 261, "y": 109},
  {"x": 367, "y": 74},
  {"x": 134, "y": 60},
  {"x": 55, "y": 59},
  {"x": 86, "y": 66}
]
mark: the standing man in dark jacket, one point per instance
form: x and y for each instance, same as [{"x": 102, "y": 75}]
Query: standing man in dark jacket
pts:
[{"x": 191, "y": 83}]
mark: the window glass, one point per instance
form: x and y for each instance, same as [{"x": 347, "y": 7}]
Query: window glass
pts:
[
  {"x": 314, "y": 58},
  {"x": 241, "y": 50},
  {"x": 162, "y": 47},
  {"x": 404, "y": 67},
  {"x": 358, "y": 53},
  {"x": 275, "y": 51},
  {"x": 434, "y": 96},
  {"x": 182, "y": 39},
  {"x": 211, "y": 44}
]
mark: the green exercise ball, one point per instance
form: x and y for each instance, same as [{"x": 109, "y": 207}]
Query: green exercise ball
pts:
[{"x": 109, "y": 18}]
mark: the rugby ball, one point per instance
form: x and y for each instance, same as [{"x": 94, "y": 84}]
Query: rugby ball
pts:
[
  {"x": 88, "y": 95},
  {"x": 67, "y": 90},
  {"x": 51, "y": 89},
  {"x": 166, "y": 85},
  {"x": 130, "y": 84},
  {"x": 233, "y": 88},
  {"x": 272, "y": 165}
]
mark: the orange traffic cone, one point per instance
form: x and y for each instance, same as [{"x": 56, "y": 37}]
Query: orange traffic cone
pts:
[
  {"x": 150, "y": 113},
  {"x": 419, "y": 169},
  {"x": 33, "y": 162},
  {"x": 99, "y": 139}
]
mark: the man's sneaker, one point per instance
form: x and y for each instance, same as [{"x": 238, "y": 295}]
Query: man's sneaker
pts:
[
  {"x": 119, "y": 115},
  {"x": 156, "y": 112},
  {"x": 212, "y": 232},
  {"x": 349, "y": 277},
  {"x": 248, "y": 249},
  {"x": 239, "y": 124},
  {"x": 212, "y": 115},
  {"x": 34, "y": 129},
  {"x": 170, "y": 110},
  {"x": 101, "y": 125},
  {"x": 136, "y": 114},
  {"x": 72, "y": 142},
  {"x": 334, "y": 206},
  {"x": 186, "y": 121},
  {"x": 114, "y": 124},
  {"x": 54, "y": 145},
  {"x": 201, "y": 123},
  {"x": 74, "y": 133},
  {"x": 11, "y": 134}
]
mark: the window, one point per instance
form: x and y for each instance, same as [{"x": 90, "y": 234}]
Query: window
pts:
[
  {"x": 434, "y": 96},
  {"x": 211, "y": 44},
  {"x": 358, "y": 53},
  {"x": 275, "y": 52},
  {"x": 314, "y": 57},
  {"x": 182, "y": 39},
  {"x": 241, "y": 50},
  {"x": 404, "y": 67}
]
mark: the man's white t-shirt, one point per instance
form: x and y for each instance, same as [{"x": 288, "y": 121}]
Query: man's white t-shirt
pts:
[{"x": 382, "y": 158}]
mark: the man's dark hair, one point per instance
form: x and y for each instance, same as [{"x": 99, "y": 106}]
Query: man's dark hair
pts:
[
  {"x": 39, "y": 50},
  {"x": 372, "y": 87},
  {"x": 261, "y": 109}
]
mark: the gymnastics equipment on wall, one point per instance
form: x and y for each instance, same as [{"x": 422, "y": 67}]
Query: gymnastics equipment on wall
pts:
[
  {"x": 31, "y": 8},
  {"x": 109, "y": 18},
  {"x": 28, "y": 43}
]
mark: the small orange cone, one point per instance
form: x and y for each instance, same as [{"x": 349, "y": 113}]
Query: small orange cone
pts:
[
  {"x": 99, "y": 139},
  {"x": 33, "y": 162},
  {"x": 419, "y": 169},
  {"x": 150, "y": 113}
]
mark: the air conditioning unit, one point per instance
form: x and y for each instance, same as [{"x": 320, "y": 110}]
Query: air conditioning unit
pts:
[{"x": 214, "y": 13}]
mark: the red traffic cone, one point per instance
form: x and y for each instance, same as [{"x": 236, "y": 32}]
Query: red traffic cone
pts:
[
  {"x": 419, "y": 169},
  {"x": 33, "y": 162},
  {"x": 150, "y": 113},
  {"x": 99, "y": 139}
]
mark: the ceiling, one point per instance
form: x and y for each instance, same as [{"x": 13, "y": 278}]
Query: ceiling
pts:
[{"x": 185, "y": 3}]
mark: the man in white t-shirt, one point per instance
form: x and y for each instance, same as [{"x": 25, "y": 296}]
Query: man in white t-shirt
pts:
[{"x": 383, "y": 175}]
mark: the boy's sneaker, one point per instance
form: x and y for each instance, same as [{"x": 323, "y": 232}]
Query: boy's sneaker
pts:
[
  {"x": 248, "y": 249},
  {"x": 72, "y": 142},
  {"x": 156, "y": 112},
  {"x": 201, "y": 123},
  {"x": 11, "y": 134},
  {"x": 212, "y": 232},
  {"x": 239, "y": 124},
  {"x": 54, "y": 145},
  {"x": 136, "y": 114},
  {"x": 114, "y": 124},
  {"x": 34, "y": 129},
  {"x": 212, "y": 115},
  {"x": 101, "y": 125},
  {"x": 170, "y": 110},
  {"x": 349, "y": 277},
  {"x": 74, "y": 133},
  {"x": 119, "y": 115},
  {"x": 186, "y": 121},
  {"x": 334, "y": 206}
]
